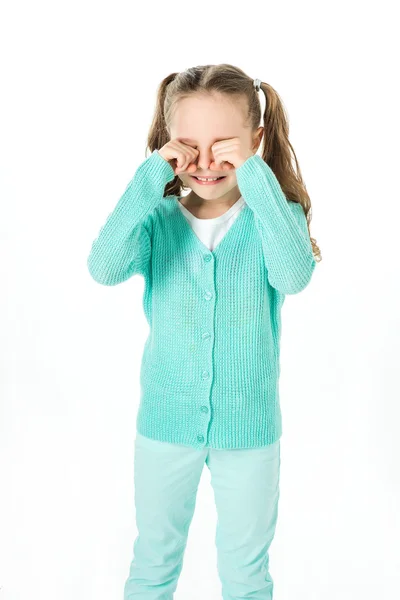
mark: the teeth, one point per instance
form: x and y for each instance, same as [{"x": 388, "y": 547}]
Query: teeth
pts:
[{"x": 207, "y": 178}]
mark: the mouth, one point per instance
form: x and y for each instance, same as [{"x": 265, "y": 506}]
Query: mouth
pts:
[{"x": 207, "y": 180}]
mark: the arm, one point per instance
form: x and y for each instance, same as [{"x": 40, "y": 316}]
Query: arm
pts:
[
  {"x": 123, "y": 246},
  {"x": 282, "y": 226}
]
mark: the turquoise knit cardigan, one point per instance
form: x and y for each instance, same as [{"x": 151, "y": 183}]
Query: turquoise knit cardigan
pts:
[{"x": 210, "y": 368}]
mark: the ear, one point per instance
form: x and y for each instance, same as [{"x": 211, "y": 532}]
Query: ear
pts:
[{"x": 257, "y": 138}]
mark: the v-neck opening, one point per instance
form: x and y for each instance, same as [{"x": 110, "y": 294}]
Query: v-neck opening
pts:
[{"x": 198, "y": 240}]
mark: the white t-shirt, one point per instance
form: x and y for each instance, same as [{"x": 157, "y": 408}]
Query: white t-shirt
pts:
[{"x": 211, "y": 231}]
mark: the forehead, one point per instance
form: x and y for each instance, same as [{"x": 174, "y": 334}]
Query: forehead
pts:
[{"x": 204, "y": 116}]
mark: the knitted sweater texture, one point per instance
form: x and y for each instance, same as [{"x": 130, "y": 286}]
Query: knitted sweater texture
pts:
[{"x": 210, "y": 368}]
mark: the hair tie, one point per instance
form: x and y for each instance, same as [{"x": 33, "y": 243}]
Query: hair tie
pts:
[{"x": 257, "y": 84}]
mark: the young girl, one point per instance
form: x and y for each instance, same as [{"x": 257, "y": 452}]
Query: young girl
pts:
[{"x": 217, "y": 265}]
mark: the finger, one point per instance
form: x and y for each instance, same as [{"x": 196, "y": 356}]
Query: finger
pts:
[
  {"x": 189, "y": 158},
  {"x": 181, "y": 167},
  {"x": 180, "y": 161}
]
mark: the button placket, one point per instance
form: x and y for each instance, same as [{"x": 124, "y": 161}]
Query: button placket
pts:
[{"x": 206, "y": 373}]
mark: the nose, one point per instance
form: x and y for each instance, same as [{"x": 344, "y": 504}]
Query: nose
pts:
[{"x": 204, "y": 159}]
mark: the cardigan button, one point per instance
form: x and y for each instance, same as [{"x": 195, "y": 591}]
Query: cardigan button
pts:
[
  {"x": 205, "y": 374},
  {"x": 200, "y": 438},
  {"x": 206, "y": 335},
  {"x": 204, "y": 409},
  {"x": 207, "y": 257},
  {"x": 207, "y": 295}
]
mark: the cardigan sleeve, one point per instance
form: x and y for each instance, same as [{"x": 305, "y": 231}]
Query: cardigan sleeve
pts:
[
  {"x": 282, "y": 226},
  {"x": 122, "y": 247}
]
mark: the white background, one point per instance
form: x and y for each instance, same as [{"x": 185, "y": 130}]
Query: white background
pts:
[{"x": 79, "y": 82}]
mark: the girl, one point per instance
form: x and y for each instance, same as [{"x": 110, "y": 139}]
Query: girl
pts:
[{"x": 217, "y": 265}]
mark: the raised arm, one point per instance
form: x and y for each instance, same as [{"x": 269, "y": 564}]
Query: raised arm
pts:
[
  {"x": 282, "y": 226},
  {"x": 123, "y": 246}
]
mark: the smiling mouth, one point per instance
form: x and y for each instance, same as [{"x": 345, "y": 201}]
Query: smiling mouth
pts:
[{"x": 208, "y": 178}]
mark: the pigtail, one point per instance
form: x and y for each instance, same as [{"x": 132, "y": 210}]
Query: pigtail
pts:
[
  {"x": 279, "y": 154},
  {"x": 158, "y": 134}
]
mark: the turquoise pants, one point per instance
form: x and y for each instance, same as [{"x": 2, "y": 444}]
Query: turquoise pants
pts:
[{"x": 246, "y": 491}]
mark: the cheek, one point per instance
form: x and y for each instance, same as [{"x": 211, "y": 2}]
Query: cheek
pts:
[{"x": 185, "y": 180}]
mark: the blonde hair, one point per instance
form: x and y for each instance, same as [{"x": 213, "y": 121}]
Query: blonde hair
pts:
[{"x": 231, "y": 81}]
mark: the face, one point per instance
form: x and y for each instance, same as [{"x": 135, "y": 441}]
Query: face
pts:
[{"x": 200, "y": 121}]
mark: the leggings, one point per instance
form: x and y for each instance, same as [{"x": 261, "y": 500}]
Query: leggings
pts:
[{"x": 246, "y": 492}]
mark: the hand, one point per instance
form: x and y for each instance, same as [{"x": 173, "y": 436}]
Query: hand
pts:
[
  {"x": 180, "y": 156},
  {"x": 233, "y": 152}
]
